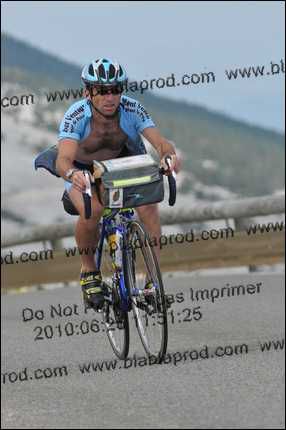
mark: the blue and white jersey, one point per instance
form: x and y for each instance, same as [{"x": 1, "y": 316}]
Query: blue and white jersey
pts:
[{"x": 133, "y": 120}]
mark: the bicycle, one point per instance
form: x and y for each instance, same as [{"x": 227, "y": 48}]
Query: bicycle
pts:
[
  {"x": 123, "y": 265},
  {"x": 122, "y": 268}
]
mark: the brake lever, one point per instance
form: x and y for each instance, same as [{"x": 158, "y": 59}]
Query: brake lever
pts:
[
  {"x": 87, "y": 197},
  {"x": 168, "y": 162},
  {"x": 171, "y": 180},
  {"x": 88, "y": 188}
]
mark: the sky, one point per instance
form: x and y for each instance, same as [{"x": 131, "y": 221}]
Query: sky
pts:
[{"x": 155, "y": 39}]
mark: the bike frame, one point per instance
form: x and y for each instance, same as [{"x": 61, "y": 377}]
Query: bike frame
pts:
[{"x": 108, "y": 227}]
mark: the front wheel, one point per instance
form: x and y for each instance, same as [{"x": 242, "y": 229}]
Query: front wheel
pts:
[
  {"x": 115, "y": 319},
  {"x": 141, "y": 270},
  {"x": 117, "y": 329}
]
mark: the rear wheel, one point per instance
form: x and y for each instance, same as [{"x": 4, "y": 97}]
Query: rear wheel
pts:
[{"x": 149, "y": 306}]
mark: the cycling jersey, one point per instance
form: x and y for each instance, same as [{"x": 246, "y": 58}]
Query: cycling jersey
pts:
[{"x": 133, "y": 120}]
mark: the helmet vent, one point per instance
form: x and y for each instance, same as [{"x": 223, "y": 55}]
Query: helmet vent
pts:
[
  {"x": 101, "y": 71},
  {"x": 111, "y": 71},
  {"x": 91, "y": 70}
]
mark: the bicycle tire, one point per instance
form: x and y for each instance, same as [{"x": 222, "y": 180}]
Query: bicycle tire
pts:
[
  {"x": 116, "y": 326},
  {"x": 134, "y": 228},
  {"x": 120, "y": 352}
]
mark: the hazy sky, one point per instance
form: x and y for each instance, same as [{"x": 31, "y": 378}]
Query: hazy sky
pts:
[{"x": 155, "y": 39}]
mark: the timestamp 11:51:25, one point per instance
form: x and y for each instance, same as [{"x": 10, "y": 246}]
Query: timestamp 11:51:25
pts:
[{"x": 186, "y": 315}]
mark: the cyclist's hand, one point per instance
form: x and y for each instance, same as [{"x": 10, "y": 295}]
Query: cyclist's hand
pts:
[
  {"x": 179, "y": 161},
  {"x": 172, "y": 162},
  {"x": 79, "y": 181}
]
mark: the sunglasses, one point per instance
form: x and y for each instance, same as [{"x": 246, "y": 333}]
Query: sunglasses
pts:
[{"x": 102, "y": 90}]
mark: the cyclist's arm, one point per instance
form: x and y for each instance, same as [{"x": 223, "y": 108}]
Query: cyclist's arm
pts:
[
  {"x": 160, "y": 143},
  {"x": 164, "y": 147},
  {"x": 67, "y": 149}
]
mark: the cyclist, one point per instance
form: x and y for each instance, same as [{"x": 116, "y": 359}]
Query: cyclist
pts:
[{"x": 104, "y": 125}]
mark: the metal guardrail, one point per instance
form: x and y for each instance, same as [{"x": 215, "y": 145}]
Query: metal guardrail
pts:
[
  {"x": 238, "y": 250},
  {"x": 237, "y": 209}
]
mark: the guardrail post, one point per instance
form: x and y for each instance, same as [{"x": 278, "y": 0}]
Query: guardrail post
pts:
[
  {"x": 241, "y": 224},
  {"x": 56, "y": 244}
]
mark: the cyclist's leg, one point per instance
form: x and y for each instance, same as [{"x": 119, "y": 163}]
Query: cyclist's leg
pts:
[
  {"x": 149, "y": 216},
  {"x": 86, "y": 231},
  {"x": 87, "y": 236}
]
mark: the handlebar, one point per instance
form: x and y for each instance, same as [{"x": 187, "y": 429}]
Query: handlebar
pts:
[
  {"x": 99, "y": 170},
  {"x": 172, "y": 190},
  {"x": 171, "y": 181}
]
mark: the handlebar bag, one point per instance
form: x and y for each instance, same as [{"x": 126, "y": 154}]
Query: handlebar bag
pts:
[{"x": 131, "y": 181}]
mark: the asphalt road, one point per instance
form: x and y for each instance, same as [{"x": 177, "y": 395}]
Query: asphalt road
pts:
[{"x": 243, "y": 390}]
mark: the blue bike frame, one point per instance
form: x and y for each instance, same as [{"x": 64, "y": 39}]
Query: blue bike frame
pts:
[{"x": 108, "y": 227}]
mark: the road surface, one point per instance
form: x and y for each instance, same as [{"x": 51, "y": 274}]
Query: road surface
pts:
[{"x": 217, "y": 375}]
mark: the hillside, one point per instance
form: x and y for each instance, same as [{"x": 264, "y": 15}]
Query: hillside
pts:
[
  {"x": 20, "y": 55},
  {"x": 218, "y": 151}
]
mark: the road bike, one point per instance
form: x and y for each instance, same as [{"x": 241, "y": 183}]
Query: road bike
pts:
[{"x": 126, "y": 259}]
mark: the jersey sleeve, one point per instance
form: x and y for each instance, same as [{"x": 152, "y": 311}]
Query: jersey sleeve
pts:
[
  {"x": 71, "y": 125},
  {"x": 142, "y": 119}
]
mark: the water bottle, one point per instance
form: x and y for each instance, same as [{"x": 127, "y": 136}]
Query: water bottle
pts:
[
  {"x": 115, "y": 245},
  {"x": 118, "y": 251}
]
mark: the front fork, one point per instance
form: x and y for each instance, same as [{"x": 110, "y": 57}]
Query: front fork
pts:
[
  {"x": 115, "y": 244},
  {"x": 116, "y": 241}
]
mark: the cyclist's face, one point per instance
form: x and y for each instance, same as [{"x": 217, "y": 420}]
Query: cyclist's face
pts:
[{"x": 106, "y": 98}]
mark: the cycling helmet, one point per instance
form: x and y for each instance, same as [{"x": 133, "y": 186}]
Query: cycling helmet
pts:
[{"x": 104, "y": 72}]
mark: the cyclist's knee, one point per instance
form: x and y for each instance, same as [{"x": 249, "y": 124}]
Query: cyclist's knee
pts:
[
  {"x": 90, "y": 226},
  {"x": 77, "y": 199},
  {"x": 96, "y": 213},
  {"x": 97, "y": 208},
  {"x": 148, "y": 210}
]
